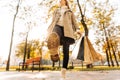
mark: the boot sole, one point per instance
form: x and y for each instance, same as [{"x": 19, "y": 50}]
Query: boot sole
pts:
[
  {"x": 53, "y": 43},
  {"x": 53, "y": 46}
]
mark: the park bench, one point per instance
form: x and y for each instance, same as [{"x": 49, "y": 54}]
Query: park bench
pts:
[{"x": 31, "y": 61}]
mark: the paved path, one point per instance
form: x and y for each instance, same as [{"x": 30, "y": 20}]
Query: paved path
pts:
[{"x": 55, "y": 75}]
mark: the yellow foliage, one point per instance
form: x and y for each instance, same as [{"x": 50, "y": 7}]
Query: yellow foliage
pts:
[
  {"x": 52, "y": 9},
  {"x": 89, "y": 22},
  {"x": 102, "y": 21},
  {"x": 81, "y": 27},
  {"x": 108, "y": 18},
  {"x": 71, "y": 1}
]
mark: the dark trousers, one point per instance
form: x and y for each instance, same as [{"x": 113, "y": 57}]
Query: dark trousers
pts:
[
  {"x": 65, "y": 42},
  {"x": 65, "y": 55}
]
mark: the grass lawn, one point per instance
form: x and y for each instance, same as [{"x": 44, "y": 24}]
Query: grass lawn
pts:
[{"x": 95, "y": 68}]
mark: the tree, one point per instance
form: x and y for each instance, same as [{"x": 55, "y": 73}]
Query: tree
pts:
[
  {"x": 32, "y": 46},
  {"x": 8, "y": 61},
  {"x": 103, "y": 14},
  {"x": 27, "y": 18}
]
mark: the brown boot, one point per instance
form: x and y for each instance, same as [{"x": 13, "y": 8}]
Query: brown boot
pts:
[{"x": 53, "y": 46}]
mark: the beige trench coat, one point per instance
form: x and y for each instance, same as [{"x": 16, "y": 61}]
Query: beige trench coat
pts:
[{"x": 70, "y": 24}]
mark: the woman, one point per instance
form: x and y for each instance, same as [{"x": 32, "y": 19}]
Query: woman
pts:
[{"x": 64, "y": 25}]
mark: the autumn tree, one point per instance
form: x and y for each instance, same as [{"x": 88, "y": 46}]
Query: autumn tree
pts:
[
  {"x": 103, "y": 14},
  {"x": 33, "y": 49},
  {"x": 29, "y": 18}
]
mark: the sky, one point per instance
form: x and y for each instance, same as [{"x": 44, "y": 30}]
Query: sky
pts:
[
  {"x": 4, "y": 30},
  {"x": 6, "y": 19},
  {"x": 37, "y": 32}
]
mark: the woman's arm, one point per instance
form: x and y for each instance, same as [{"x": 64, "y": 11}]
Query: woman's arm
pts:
[
  {"x": 76, "y": 26},
  {"x": 74, "y": 22}
]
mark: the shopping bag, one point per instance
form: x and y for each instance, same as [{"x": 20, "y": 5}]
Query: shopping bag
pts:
[
  {"x": 90, "y": 54},
  {"x": 78, "y": 50},
  {"x": 84, "y": 51}
]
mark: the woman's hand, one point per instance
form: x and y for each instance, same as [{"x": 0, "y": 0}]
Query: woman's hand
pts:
[{"x": 78, "y": 34}]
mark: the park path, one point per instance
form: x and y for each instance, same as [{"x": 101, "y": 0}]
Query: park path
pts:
[{"x": 55, "y": 75}]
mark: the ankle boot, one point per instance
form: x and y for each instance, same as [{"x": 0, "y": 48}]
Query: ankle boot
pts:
[{"x": 63, "y": 73}]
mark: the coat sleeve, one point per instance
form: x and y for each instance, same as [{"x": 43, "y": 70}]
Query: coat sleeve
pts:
[{"x": 74, "y": 22}]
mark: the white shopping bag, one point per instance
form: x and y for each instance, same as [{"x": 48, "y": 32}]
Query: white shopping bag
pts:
[{"x": 76, "y": 49}]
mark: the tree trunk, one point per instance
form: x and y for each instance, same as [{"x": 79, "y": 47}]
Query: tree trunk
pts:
[
  {"x": 82, "y": 20},
  {"x": 8, "y": 61},
  {"x": 107, "y": 56},
  {"x": 114, "y": 55},
  {"x": 110, "y": 54},
  {"x": 108, "y": 45},
  {"x": 28, "y": 53},
  {"x": 25, "y": 50},
  {"x": 113, "y": 50},
  {"x": 85, "y": 29}
]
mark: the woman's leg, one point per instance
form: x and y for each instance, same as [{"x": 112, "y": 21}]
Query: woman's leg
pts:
[
  {"x": 65, "y": 55},
  {"x": 65, "y": 60}
]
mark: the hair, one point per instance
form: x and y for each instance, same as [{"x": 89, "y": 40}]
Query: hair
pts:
[{"x": 67, "y": 4}]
